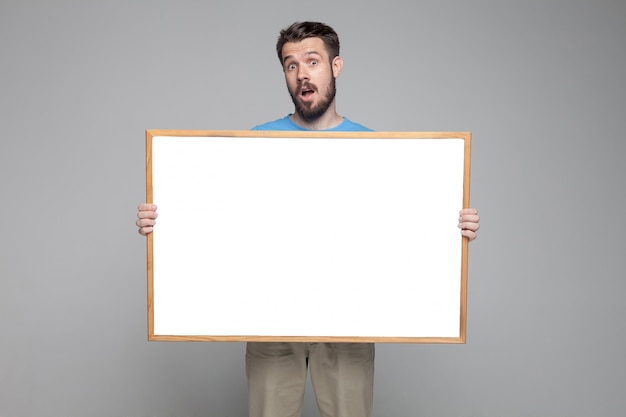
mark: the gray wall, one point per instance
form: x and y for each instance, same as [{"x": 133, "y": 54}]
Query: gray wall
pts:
[{"x": 541, "y": 84}]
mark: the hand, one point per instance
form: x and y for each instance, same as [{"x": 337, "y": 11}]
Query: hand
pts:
[
  {"x": 146, "y": 218},
  {"x": 468, "y": 223}
]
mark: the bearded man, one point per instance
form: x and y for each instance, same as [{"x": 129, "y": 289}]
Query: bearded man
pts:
[{"x": 342, "y": 374}]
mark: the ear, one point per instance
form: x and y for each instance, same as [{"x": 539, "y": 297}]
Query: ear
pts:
[{"x": 337, "y": 65}]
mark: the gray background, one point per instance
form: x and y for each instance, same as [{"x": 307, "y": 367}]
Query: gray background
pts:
[{"x": 540, "y": 84}]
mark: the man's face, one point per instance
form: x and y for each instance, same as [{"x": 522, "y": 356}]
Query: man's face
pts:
[{"x": 310, "y": 76}]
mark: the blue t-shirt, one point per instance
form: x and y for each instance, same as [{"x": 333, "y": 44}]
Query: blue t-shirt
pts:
[{"x": 287, "y": 124}]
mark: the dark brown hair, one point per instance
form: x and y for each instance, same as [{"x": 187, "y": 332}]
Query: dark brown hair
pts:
[{"x": 303, "y": 30}]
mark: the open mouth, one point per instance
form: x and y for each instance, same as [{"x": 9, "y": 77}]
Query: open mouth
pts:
[{"x": 306, "y": 92}]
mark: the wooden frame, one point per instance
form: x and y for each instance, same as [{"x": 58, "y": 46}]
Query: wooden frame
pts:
[{"x": 307, "y": 236}]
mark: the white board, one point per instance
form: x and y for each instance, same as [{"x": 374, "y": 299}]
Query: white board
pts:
[{"x": 343, "y": 238}]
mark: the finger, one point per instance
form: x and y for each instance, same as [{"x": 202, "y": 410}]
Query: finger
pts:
[
  {"x": 474, "y": 218},
  {"x": 146, "y": 207},
  {"x": 145, "y": 230},
  {"x": 468, "y": 211},
  {"x": 469, "y": 226},
  {"x": 471, "y": 235},
  {"x": 145, "y": 226},
  {"x": 147, "y": 214},
  {"x": 145, "y": 222}
]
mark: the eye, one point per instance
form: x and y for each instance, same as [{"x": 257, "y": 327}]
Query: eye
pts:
[
  {"x": 291, "y": 67},
  {"x": 313, "y": 62}
]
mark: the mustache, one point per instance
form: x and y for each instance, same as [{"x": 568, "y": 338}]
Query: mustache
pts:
[{"x": 306, "y": 86}]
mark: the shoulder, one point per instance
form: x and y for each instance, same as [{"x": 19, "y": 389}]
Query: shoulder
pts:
[
  {"x": 349, "y": 126},
  {"x": 284, "y": 123}
]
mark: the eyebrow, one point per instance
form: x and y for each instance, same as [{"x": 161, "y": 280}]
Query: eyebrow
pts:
[{"x": 306, "y": 54}]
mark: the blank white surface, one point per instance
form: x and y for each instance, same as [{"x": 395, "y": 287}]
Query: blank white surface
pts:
[{"x": 307, "y": 237}]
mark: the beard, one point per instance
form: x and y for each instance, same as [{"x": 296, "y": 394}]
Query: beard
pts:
[{"x": 309, "y": 111}]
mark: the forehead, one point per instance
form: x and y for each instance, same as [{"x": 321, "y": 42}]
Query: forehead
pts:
[{"x": 304, "y": 47}]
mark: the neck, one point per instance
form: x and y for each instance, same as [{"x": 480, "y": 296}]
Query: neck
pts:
[{"x": 328, "y": 120}]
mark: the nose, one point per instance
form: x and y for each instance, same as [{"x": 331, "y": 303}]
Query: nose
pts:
[{"x": 303, "y": 73}]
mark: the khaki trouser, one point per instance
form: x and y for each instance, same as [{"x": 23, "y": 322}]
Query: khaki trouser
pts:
[{"x": 342, "y": 375}]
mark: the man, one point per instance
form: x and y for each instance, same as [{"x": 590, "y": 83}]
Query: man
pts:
[{"x": 342, "y": 374}]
